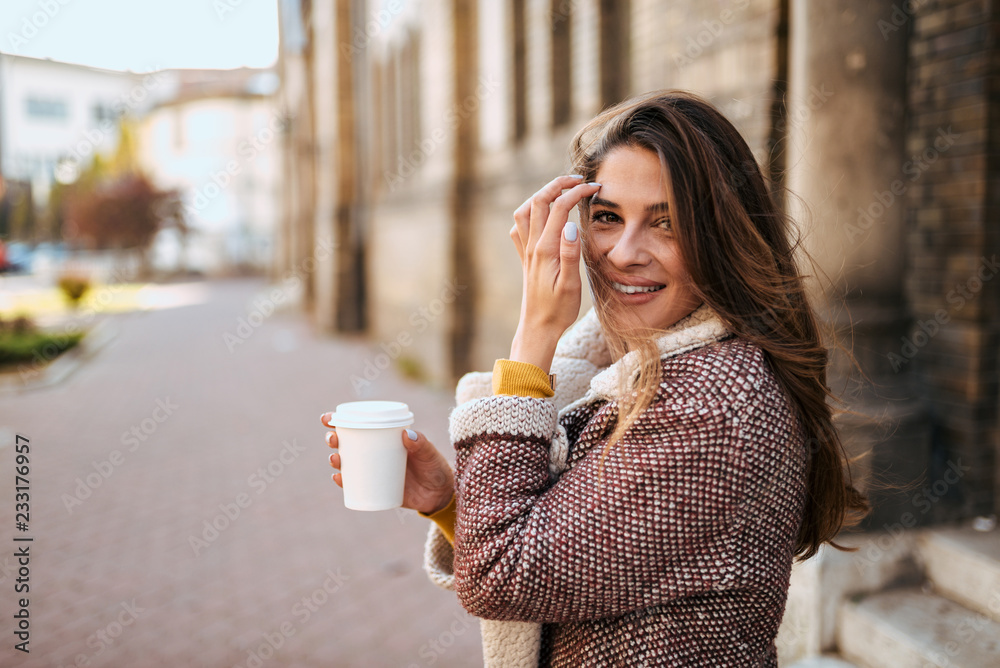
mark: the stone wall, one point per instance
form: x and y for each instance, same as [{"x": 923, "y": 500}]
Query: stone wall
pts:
[{"x": 951, "y": 196}]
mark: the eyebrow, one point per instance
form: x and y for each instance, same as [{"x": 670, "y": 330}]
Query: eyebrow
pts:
[{"x": 653, "y": 208}]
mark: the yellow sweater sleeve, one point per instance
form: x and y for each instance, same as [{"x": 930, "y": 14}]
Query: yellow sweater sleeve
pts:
[
  {"x": 514, "y": 378},
  {"x": 445, "y": 519},
  {"x": 520, "y": 379}
]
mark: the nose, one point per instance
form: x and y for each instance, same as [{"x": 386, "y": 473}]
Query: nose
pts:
[{"x": 630, "y": 249}]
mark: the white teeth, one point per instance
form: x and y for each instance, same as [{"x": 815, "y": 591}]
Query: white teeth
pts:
[{"x": 632, "y": 289}]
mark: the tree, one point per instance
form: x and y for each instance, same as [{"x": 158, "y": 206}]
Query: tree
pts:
[{"x": 124, "y": 213}]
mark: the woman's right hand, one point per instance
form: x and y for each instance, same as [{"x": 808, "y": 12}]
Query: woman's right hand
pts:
[
  {"x": 549, "y": 248},
  {"x": 430, "y": 482}
]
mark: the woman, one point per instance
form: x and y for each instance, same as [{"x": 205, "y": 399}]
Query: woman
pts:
[{"x": 645, "y": 511}]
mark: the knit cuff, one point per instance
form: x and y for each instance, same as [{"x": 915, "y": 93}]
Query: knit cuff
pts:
[
  {"x": 520, "y": 379},
  {"x": 522, "y": 418},
  {"x": 445, "y": 519}
]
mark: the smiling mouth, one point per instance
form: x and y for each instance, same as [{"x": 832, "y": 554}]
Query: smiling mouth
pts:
[{"x": 633, "y": 289}]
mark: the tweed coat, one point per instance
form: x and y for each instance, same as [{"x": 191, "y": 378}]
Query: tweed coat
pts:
[{"x": 674, "y": 548}]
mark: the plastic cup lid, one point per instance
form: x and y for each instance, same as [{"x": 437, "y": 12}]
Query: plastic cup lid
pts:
[{"x": 372, "y": 415}]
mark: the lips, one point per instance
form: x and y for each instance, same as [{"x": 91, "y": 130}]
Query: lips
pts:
[{"x": 635, "y": 289}]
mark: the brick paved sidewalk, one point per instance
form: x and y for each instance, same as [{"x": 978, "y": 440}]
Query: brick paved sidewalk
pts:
[{"x": 166, "y": 433}]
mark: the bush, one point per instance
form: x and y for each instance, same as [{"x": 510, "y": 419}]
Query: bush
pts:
[
  {"x": 21, "y": 341},
  {"x": 74, "y": 288}
]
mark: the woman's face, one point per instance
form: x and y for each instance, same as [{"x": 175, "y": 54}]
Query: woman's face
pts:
[{"x": 630, "y": 229}]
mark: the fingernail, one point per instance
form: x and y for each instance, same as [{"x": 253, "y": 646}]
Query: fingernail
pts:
[
  {"x": 412, "y": 435},
  {"x": 570, "y": 231},
  {"x": 594, "y": 183},
  {"x": 575, "y": 176},
  {"x": 329, "y": 437},
  {"x": 322, "y": 418}
]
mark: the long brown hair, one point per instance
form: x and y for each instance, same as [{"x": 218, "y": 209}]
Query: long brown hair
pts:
[{"x": 737, "y": 246}]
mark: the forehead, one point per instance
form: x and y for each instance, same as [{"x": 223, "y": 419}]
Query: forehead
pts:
[{"x": 631, "y": 175}]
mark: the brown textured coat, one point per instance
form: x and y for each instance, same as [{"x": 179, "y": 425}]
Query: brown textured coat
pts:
[{"x": 676, "y": 553}]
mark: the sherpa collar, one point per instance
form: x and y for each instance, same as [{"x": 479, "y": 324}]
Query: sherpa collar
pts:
[{"x": 698, "y": 329}]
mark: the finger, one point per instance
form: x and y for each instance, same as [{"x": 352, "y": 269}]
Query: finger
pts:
[
  {"x": 515, "y": 235},
  {"x": 519, "y": 233},
  {"x": 338, "y": 478},
  {"x": 540, "y": 203},
  {"x": 335, "y": 460},
  {"x": 332, "y": 440},
  {"x": 559, "y": 213},
  {"x": 418, "y": 447},
  {"x": 569, "y": 255},
  {"x": 325, "y": 419}
]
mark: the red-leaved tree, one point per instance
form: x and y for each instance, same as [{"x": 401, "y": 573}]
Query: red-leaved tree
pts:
[{"x": 119, "y": 214}]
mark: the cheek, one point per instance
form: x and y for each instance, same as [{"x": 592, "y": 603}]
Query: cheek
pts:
[
  {"x": 601, "y": 242},
  {"x": 669, "y": 257}
]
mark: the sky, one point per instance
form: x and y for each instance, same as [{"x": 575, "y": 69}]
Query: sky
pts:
[{"x": 143, "y": 35}]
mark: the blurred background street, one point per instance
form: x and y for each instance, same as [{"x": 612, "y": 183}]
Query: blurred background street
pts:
[{"x": 193, "y": 425}]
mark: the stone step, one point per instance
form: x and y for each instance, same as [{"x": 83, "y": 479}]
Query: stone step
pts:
[
  {"x": 909, "y": 628},
  {"x": 823, "y": 662},
  {"x": 964, "y": 565}
]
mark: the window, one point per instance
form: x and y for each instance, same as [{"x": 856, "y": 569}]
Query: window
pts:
[
  {"x": 615, "y": 46},
  {"x": 103, "y": 113},
  {"x": 560, "y": 20},
  {"x": 48, "y": 109}
]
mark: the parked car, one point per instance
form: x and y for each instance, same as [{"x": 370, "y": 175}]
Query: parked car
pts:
[{"x": 19, "y": 256}]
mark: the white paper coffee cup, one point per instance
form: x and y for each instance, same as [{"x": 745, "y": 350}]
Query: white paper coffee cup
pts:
[{"x": 372, "y": 456}]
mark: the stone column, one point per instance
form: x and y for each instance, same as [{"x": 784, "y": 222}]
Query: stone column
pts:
[
  {"x": 846, "y": 155},
  {"x": 463, "y": 187}
]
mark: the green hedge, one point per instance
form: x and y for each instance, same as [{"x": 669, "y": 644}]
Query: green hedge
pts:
[{"x": 34, "y": 346}]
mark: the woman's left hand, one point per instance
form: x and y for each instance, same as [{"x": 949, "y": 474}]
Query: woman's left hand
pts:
[{"x": 549, "y": 248}]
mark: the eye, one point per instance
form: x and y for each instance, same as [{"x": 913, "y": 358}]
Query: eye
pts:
[
  {"x": 605, "y": 217},
  {"x": 664, "y": 224}
]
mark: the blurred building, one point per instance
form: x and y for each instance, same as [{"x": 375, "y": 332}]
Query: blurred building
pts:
[
  {"x": 418, "y": 127},
  {"x": 211, "y": 134},
  {"x": 214, "y": 136},
  {"x": 56, "y": 116}
]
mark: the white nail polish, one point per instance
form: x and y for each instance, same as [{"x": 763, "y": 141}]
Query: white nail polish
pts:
[{"x": 570, "y": 231}]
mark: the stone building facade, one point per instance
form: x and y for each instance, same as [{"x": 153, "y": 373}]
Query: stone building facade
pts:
[{"x": 420, "y": 127}]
